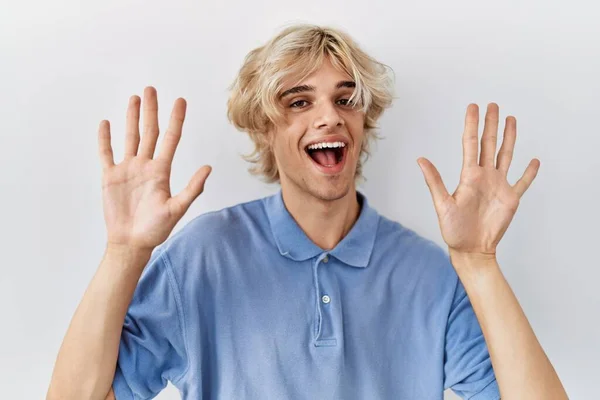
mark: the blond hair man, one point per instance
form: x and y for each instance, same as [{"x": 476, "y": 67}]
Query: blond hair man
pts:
[{"x": 309, "y": 293}]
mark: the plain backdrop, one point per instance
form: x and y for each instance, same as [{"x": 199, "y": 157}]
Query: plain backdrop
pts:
[{"x": 66, "y": 65}]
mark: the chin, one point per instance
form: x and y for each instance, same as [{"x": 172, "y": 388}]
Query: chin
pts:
[{"x": 329, "y": 191}]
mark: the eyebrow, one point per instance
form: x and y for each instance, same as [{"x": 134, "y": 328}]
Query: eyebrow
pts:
[{"x": 308, "y": 88}]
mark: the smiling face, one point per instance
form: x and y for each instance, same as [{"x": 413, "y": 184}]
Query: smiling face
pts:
[{"x": 317, "y": 148}]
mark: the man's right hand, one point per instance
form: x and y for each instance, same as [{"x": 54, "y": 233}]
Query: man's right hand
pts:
[{"x": 138, "y": 208}]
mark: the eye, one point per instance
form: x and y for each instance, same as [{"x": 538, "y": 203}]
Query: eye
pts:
[
  {"x": 346, "y": 102},
  {"x": 297, "y": 104}
]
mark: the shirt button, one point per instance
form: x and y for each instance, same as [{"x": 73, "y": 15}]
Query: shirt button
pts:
[
  {"x": 326, "y": 259},
  {"x": 325, "y": 299}
]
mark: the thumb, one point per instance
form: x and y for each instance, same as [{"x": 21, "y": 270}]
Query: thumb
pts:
[
  {"x": 194, "y": 188},
  {"x": 434, "y": 181}
]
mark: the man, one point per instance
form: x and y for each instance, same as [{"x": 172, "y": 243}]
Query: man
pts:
[{"x": 309, "y": 293}]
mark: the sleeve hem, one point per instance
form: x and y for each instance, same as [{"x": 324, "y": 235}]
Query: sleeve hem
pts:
[
  {"x": 489, "y": 392},
  {"x": 180, "y": 313}
]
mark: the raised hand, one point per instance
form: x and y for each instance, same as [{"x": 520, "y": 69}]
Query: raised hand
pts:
[
  {"x": 474, "y": 218},
  {"x": 138, "y": 208}
]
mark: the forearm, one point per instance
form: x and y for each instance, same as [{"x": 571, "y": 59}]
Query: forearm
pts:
[
  {"x": 522, "y": 369},
  {"x": 86, "y": 362}
]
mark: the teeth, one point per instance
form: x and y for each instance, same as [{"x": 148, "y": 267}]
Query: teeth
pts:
[{"x": 328, "y": 145}]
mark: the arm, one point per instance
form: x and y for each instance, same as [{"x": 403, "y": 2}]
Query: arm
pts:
[
  {"x": 473, "y": 220},
  {"x": 140, "y": 214},
  {"x": 521, "y": 367},
  {"x": 90, "y": 347}
]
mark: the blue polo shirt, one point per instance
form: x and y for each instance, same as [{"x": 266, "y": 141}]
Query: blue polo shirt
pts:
[{"x": 241, "y": 305}]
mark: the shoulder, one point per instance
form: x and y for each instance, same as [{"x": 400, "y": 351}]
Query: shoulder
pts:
[
  {"x": 414, "y": 254},
  {"x": 216, "y": 237},
  {"x": 215, "y": 226},
  {"x": 407, "y": 241}
]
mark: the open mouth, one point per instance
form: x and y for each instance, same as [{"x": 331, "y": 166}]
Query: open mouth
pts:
[{"x": 328, "y": 156}]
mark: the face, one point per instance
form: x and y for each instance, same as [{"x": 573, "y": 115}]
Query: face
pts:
[{"x": 318, "y": 147}]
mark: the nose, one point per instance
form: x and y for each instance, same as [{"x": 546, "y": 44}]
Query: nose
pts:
[{"x": 327, "y": 116}]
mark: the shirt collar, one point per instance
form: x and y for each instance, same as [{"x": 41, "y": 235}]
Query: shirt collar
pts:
[{"x": 354, "y": 249}]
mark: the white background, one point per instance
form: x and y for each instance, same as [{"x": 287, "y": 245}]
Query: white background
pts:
[{"x": 66, "y": 65}]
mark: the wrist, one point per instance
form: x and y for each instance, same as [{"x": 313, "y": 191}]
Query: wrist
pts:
[
  {"x": 128, "y": 251},
  {"x": 462, "y": 260}
]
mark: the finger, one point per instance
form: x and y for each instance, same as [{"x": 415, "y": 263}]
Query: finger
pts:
[
  {"x": 194, "y": 188},
  {"x": 469, "y": 139},
  {"x": 434, "y": 182},
  {"x": 173, "y": 134},
  {"x": 489, "y": 138},
  {"x": 528, "y": 176},
  {"x": 132, "y": 127},
  {"x": 104, "y": 148},
  {"x": 150, "y": 134},
  {"x": 505, "y": 154}
]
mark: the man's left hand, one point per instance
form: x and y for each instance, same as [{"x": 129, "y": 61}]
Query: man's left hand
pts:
[{"x": 474, "y": 218}]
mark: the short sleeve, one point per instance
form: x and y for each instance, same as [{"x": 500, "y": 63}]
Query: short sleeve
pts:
[
  {"x": 152, "y": 348},
  {"x": 467, "y": 364}
]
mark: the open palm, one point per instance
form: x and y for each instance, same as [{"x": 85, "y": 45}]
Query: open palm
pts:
[
  {"x": 139, "y": 209},
  {"x": 474, "y": 218}
]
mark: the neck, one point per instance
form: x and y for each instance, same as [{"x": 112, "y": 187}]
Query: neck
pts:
[{"x": 325, "y": 222}]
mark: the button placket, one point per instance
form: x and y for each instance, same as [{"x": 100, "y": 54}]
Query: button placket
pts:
[{"x": 325, "y": 330}]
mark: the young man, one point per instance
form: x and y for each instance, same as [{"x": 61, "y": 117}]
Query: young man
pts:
[{"x": 309, "y": 293}]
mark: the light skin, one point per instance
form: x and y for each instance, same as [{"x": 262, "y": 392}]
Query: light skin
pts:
[
  {"x": 323, "y": 204},
  {"x": 473, "y": 220}
]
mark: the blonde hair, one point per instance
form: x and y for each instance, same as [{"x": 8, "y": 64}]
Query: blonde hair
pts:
[{"x": 299, "y": 50}]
